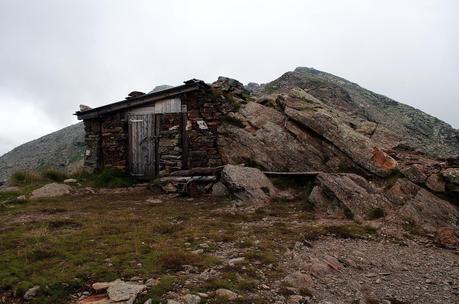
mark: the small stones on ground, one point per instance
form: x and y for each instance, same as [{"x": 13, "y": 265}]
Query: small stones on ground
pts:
[
  {"x": 191, "y": 299},
  {"x": 219, "y": 189},
  {"x": 100, "y": 286},
  {"x": 154, "y": 200},
  {"x": 264, "y": 286},
  {"x": 169, "y": 188},
  {"x": 295, "y": 299},
  {"x": 149, "y": 301},
  {"x": 236, "y": 261},
  {"x": 31, "y": 293},
  {"x": 172, "y": 302},
  {"x": 51, "y": 190},
  {"x": 94, "y": 299},
  {"x": 203, "y": 295},
  {"x": 298, "y": 280},
  {"x": 198, "y": 251},
  {"x": 226, "y": 294},
  {"x": 70, "y": 181},
  {"x": 119, "y": 291},
  {"x": 152, "y": 282},
  {"x": 136, "y": 279}
]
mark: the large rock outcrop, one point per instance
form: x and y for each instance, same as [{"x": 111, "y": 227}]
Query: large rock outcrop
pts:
[
  {"x": 294, "y": 132},
  {"x": 403, "y": 204},
  {"x": 248, "y": 184},
  {"x": 393, "y": 122},
  {"x": 420, "y": 208},
  {"x": 347, "y": 196}
]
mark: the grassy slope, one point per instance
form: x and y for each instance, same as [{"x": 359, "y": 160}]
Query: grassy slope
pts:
[{"x": 68, "y": 243}]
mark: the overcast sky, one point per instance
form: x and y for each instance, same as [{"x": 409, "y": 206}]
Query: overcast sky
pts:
[{"x": 55, "y": 55}]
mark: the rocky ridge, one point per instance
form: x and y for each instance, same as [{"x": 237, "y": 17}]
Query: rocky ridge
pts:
[{"x": 389, "y": 121}]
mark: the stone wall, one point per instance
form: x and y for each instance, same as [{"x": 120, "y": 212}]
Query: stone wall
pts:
[
  {"x": 114, "y": 141},
  {"x": 92, "y": 140},
  {"x": 186, "y": 140},
  {"x": 107, "y": 142},
  {"x": 170, "y": 143},
  {"x": 204, "y": 117}
]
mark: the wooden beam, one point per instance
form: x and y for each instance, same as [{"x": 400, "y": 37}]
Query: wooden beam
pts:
[
  {"x": 296, "y": 173},
  {"x": 186, "y": 179},
  {"x": 135, "y": 102},
  {"x": 197, "y": 171}
]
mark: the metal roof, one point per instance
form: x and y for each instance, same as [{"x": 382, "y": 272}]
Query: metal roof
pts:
[{"x": 189, "y": 86}]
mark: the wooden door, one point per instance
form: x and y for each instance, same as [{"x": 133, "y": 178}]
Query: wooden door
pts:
[{"x": 143, "y": 139}]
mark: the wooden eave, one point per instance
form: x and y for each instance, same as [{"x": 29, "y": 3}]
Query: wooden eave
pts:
[{"x": 189, "y": 86}]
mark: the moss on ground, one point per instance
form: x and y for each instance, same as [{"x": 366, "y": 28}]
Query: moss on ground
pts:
[{"x": 65, "y": 244}]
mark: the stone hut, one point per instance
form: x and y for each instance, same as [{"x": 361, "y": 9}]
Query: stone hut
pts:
[{"x": 156, "y": 133}]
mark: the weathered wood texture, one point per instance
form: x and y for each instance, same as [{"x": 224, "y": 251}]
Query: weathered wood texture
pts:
[
  {"x": 297, "y": 173},
  {"x": 142, "y": 144},
  {"x": 198, "y": 172}
]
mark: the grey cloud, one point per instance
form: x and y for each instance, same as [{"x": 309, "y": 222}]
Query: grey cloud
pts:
[{"x": 63, "y": 53}]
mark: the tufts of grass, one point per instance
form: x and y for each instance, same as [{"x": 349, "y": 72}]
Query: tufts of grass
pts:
[
  {"x": 254, "y": 164},
  {"x": 63, "y": 224},
  {"x": 230, "y": 280},
  {"x": 166, "y": 228},
  {"x": 234, "y": 103},
  {"x": 54, "y": 175},
  {"x": 394, "y": 176},
  {"x": 5, "y": 196},
  {"x": 55, "y": 293},
  {"x": 348, "y": 213},
  {"x": 231, "y": 120},
  {"x": 376, "y": 213},
  {"x": 28, "y": 177},
  {"x": 23, "y": 178},
  {"x": 348, "y": 231},
  {"x": 166, "y": 284},
  {"x": 265, "y": 257},
  {"x": 351, "y": 231},
  {"x": 410, "y": 225},
  {"x": 108, "y": 178},
  {"x": 175, "y": 260}
]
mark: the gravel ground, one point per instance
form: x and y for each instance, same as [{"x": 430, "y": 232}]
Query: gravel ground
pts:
[{"x": 381, "y": 272}]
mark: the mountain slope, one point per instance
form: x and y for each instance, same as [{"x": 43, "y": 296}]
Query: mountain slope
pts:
[
  {"x": 63, "y": 148},
  {"x": 387, "y": 123},
  {"x": 395, "y": 122}
]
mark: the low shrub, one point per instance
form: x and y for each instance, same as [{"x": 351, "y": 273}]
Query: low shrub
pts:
[
  {"x": 63, "y": 224},
  {"x": 109, "y": 178},
  {"x": 376, "y": 213},
  {"x": 233, "y": 121},
  {"x": 348, "y": 231},
  {"x": 54, "y": 175},
  {"x": 165, "y": 284},
  {"x": 29, "y": 177},
  {"x": 24, "y": 178},
  {"x": 6, "y": 196},
  {"x": 174, "y": 260},
  {"x": 351, "y": 231}
]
